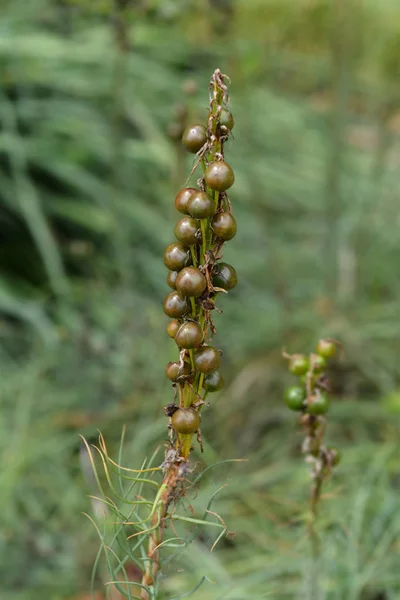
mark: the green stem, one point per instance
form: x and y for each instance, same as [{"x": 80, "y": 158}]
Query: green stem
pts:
[
  {"x": 203, "y": 224},
  {"x": 314, "y": 543},
  {"x": 202, "y": 319},
  {"x": 193, "y": 253},
  {"x": 191, "y": 359},
  {"x": 201, "y": 380},
  {"x": 216, "y": 199},
  {"x": 186, "y": 441},
  {"x": 193, "y": 304},
  {"x": 187, "y": 396}
]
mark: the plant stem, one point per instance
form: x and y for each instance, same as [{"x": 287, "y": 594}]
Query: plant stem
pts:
[
  {"x": 201, "y": 380},
  {"x": 314, "y": 539},
  {"x": 191, "y": 358},
  {"x": 193, "y": 254},
  {"x": 203, "y": 225},
  {"x": 158, "y": 523},
  {"x": 193, "y": 304}
]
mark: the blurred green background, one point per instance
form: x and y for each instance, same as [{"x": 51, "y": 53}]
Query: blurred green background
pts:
[{"x": 93, "y": 98}]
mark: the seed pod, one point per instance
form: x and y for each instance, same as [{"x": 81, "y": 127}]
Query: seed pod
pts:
[
  {"x": 319, "y": 404},
  {"x": 319, "y": 363},
  {"x": 201, "y": 206},
  {"x": 189, "y": 335},
  {"x": 187, "y": 231},
  {"x": 185, "y": 421},
  {"x": 206, "y": 359},
  {"x": 219, "y": 176},
  {"x": 294, "y": 397},
  {"x": 175, "y": 305},
  {"x": 171, "y": 279},
  {"x": 174, "y": 370},
  {"x": 182, "y": 199},
  {"x": 224, "y": 276},
  {"x": 194, "y": 137},
  {"x": 213, "y": 382},
  {"x": 191, "y": 282},
  {"x": 224, "y": 225},
  {"x": 326, "y": 348},
  {"x": 176, "y": 256},
  {"x": 226, "y": 119},
  {"x": 298, "y": 364},
  {"x": 172, "y": 328}
]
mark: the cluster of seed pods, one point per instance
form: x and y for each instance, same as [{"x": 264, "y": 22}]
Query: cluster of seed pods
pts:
[
  {"x": 196, "y": 273},
  {"x": 311, "y": 397}
]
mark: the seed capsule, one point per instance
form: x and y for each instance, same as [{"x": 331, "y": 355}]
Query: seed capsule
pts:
[
  {"x": 191, "y": 282},
  {"x": 185, "y": 421},
  {"x": 176, "y": 256},
  {"x": 172, "y": 328},
  {"x": 174, "y": 370},
  {"x": 171, "y": 279},
  {"x": 194, "y": 137},
  {"x": 182, "y": 199},
  {"x": 189, "y": 335},
  {"x": 187, "y": 231},
  {"x": 298, "y": 364},
  {"x": 326, "y": 348},
  {"x": 219, "y": 176},
  {"x": 226, "y": 119},
  {"x": 319, "y": 404},
  {"x": 175, "y": 305},
  {"x": 294, "y": 397},
  {"x": 201, "y": 206},
  {"x": 224, "y": 225},
  {"x": 224, "y": 276},
  {"x": 206, "y": 359},
  {"x": 319, "y": 363},
  {"x": 213, "y": 382}
]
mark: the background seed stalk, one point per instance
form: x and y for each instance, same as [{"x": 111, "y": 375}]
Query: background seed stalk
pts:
[{"x": 311, "y": 397}]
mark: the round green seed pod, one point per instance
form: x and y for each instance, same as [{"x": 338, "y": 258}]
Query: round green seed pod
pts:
[
  {"x": 172, "y": 328},
  {"x": 298, "y": 364},
  {"x": 186, "y": 421},
  {"x": 224, "y": 276},
  {"x": 319, "y": 403},
  {"x": 176, "y": 256},
  {"x": 224, "y": 226},
  {"x": 206, "y": 359},
  {"x": 194, "y": 137},
  {"x": 326, "y": 349},
  {"x": 182, "y": 199},
  {"x": 175, "y": 305},
  {"x": 191, "y": 282},
  {"x": 171, "y": 279},
  {"x": 187, "y": 231},
  {"x": 201, "y": 206},
  {"x": 174, "y": 370},
  {"x": 319, "y": 363},
  {"x": 213, "y": 382},
  {"x": 294, "y": 397},
  {"x": 226, "y": 119},
  {"x": 189, "y": 335},
  {"x": 219, "y": 176}
]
